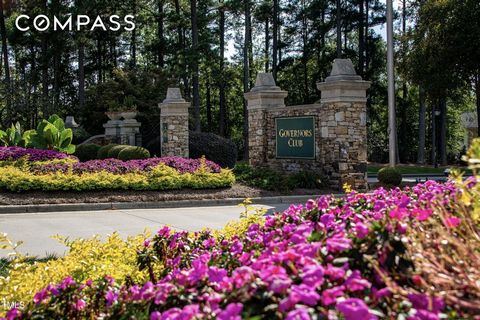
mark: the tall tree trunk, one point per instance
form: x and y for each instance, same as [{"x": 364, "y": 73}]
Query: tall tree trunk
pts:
[
  {"x": 81, "y": 74},
  {"x": 367, "y": 47},
  {"x": 404, "y": 104},
  {"x": 434, "y": 135},
  {"x": 275, "y": 39},
  {"x": 161, "y": 39},
  {"x": 250, "y": 52},
  {"x": 339, "y": 28},
  {"x": 443, "y": 131},
  {"x": 305, "y": 52},
  {"x": 6, "y": 65},
  {"x": 267, "y": 45},
  {"x": 195, "y": 83},
  {"x": 361, "y": 39},
  {"x": 208, "y": 103},
  {"x": 182, "y": 49},
  {"x": 99, "y": 61},
  {"x": 133, "y": 41},
  {"x": 421, "y": 128},
  {"x": 223, "y": 110},
  {"x": 246, "y": 73}
]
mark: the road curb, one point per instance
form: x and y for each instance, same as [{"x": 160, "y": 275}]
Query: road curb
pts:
[{"x": 41, "y": 208}]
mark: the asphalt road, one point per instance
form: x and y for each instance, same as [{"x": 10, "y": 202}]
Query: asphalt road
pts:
[{"x": 36, "y": 229}]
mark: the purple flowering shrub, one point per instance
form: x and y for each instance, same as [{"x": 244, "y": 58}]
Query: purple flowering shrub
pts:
[
  {"x": 401, "y": 253},
  {"x": 31, "y": 155},
  {"x": 183, "y": 165}
]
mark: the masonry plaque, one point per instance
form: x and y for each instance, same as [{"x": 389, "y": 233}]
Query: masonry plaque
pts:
[{"x": 295, "y": 138}]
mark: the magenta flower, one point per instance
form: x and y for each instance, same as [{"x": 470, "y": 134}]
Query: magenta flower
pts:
[
  {"x": 338, "y": 243},
  {"x": 452, "y": 222},
  {"x": 355, "y": 309},
  {"x": 155, "y": 315},
  {"x": 40, "y": 296},
  {"x": 79, "y": 305},
  {"x": 111, "y": 297},
  {"x": 361, "y": 230},
  {"x": 231, "y": 312},
  {"x": 329, "y": 296},
  {"x": 298, "y": 314}
]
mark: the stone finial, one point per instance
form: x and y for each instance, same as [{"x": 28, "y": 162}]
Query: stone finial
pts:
[
  {"x": 70, "y": 122},
  {"x": 265, "y": 81},
  {"x": 173, "y": 95},
  {"x": 342, "y": 70}
]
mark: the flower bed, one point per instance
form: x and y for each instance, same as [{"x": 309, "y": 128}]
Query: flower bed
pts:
[
  {"x": 24, "y": 169},
  {"x": 30, "y": 154},
  {"x": 182, "y": 165},
  {"x": 409, "y": 253}
]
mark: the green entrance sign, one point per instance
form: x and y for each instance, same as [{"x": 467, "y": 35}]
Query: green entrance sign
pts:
[{"x": 295, "y": 137}]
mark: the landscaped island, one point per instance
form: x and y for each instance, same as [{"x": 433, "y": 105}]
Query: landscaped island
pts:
[
  {"x": 31, "y": 169},
  {"x": 409, "y": 253}
]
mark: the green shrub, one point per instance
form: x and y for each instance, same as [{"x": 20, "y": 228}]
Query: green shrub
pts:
[
  {"x": 87, "y": 151},
  {"x": 214, "y": 147},
  {"x": 114, "y": 151},
  {"x": 390, "y": 176},
  {"x": 132, "y": 153},
  {"x": 307, "y": 180},
  {"x": 80, "y": 135},
  {"x": 269, "y": 179},
  {"x": 103, "y": 151}
]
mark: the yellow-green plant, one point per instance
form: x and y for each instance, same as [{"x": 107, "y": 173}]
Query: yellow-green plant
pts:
[
  {"x": 162, "y": 177},
  {"x": 86, "y": 259}
]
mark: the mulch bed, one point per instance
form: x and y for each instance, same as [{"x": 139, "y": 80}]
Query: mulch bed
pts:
[{"x": 66, "y": 197}]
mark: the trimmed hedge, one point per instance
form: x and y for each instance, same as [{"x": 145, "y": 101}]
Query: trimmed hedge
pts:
[
  {"x": 133, "y": 153},
  {"x": 103, "y": 151},
  {"x": 390, "y": 176},
  {"x": 86, "y": 152},
  {"x": 214, "y": 147},
  {"x": 114, "y": 151}
]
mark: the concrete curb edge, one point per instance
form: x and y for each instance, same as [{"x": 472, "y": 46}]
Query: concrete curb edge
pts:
[{"x": 40, "y": 208}]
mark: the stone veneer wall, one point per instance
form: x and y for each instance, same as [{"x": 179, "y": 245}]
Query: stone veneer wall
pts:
[
  {"x": 174, "y": 114},
  {"x": 177, "y": 135},
  {"x": 340, "y": 150},
  {"x": 340, "y": 127}
]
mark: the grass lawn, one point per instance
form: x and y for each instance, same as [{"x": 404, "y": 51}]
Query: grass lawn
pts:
[{"x": 413, "y": 169}]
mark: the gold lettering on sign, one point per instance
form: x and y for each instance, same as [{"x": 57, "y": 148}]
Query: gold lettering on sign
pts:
[
  {"x": 292, "y": 143},
  {"x": 294, "y": 133}
]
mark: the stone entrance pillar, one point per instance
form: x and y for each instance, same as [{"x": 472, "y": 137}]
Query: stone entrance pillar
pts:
[
  {"x": 343, "y": 123},
  {"x": 264, "y": 97},
  {"x": 130, "y": 132},
  {"x": 174, "y": 124}
]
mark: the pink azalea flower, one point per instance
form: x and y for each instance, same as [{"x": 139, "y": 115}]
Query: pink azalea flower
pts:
[
  {"x": 299, "y": 314},
  {"x": 355, "y": 309},
  {"x": 452, "y": 222},
  {"x": 231, "y": 312},
  {"x": 338, "y": 243}
]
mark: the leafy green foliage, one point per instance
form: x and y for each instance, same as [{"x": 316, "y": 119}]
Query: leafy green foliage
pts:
[
  {"x": 390, "y": 176},
  {"x": 103, "y": 151},
  {"x": 268, "y": 179},
  {"x": 115, "y": 150},
  {"x": 214, "y": 147},
  {"x": 51, "y": 134},
  {"x": 131, "y": 153},
  {"x": 14, "y": 136},
  {"x": 87, "y": 152}
]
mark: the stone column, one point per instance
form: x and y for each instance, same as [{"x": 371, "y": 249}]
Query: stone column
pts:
[
  {"x": 174, "y": 124},
  {"x": 343, "y": 125},
  {"x": 263, "y": 97},
  {"x": 130, "y": 132}
]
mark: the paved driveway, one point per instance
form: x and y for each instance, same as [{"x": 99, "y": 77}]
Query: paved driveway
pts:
[{"x": 35, "y": 229}]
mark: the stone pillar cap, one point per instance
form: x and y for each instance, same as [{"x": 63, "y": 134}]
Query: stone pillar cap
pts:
[
  {"x": 343, "y": 70},
  {"x": 265, "y": 82},
  {"x": 173, "y": 95}
]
